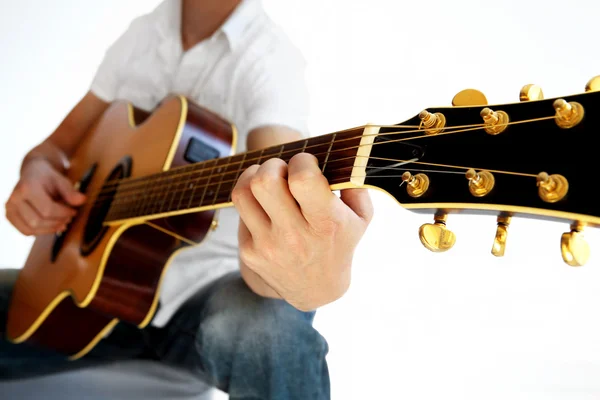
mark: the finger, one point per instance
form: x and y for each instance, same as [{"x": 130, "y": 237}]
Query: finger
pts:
[
  {"x": 67, "y": 192},
  {"x": 270, "y": 187},
  {"x": 18, "y": 222},
  {"x": 250, "y": 210},
  {"x": 35, "y": 221},
  {"x": 359, "y": 201},
  {"x": 309, "y": 187},
  {"x": 14, "y": 215},
  {"x": 46, "y": 207}
]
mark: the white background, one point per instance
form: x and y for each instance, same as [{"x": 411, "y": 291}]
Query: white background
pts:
[{"x": 414, "y": 324}]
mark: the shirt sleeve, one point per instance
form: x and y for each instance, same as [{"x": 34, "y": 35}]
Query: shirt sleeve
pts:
[
  {"x": 276, "y": 92},
  {"x": 105, "y": 84}
]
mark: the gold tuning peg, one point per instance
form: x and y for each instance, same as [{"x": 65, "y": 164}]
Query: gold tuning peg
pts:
[
  {"x": 501, "y": 233},
  {"x": 593, "y": 85},
  {"x": 469, "y": 97},
  {"x": 480, "y": 183},
  {"x": 416, "y": 185},
  {"x": 436, "y": 237},
  {"x": 573, "y": 247},
  {"x": 531, "y": 92}
]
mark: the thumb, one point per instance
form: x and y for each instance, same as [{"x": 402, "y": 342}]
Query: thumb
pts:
[
  {"x": 66, "y": 190},
  {"x": 359, "y": 201}
]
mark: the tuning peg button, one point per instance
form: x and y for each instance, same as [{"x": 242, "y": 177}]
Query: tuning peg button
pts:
[
  {"x": 436, "y": 237},
  {"x": 593, "y": 85},
  {"x": 469, "y": 97},
  {"x": 531, "y": 92},
  {"x": 574, "y": 249},
  {"x": 499, "y": 245}
]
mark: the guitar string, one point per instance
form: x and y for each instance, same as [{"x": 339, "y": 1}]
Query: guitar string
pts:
[
  {"x": 124, "y": 193},
  {"x": 193, "y": 168},
  {"x": 142, "y": 181},
  {"x": 127, "y": 196},
  {"x": 153, "y": 205}
]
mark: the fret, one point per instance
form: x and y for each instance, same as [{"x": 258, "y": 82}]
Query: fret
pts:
[
  {"x": 342, "y": 155},
  {"x": 165, "y": 196},
  {"x": 222, "y": 174},
  {"x": 186, "y": 175},
  {"x": 211, "y": 182},
  {"x": 319, "y": 147},
  {"x": 291, "y": 149},
  {"x": 201, "y": 168},
  {"x": 229, "y": 178},
  {"x": 259, "y": 161},
  {"x": 172, "y": 196},
  {"x": 212, "y": 171},
  {"x": 328, "y": 153},
  {"x": 155, "y": 191},
  {"x": 270, "y": 152},
  {"x": 237, "y": 175},
  {"x": 133, "y": 197},
  {"x": 143, "y": 201}
]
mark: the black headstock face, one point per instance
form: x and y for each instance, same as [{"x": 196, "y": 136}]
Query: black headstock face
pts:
[{"x": 530, "y": 141}]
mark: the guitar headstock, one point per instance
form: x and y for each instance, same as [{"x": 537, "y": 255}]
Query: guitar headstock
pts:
[{"x": 535, "y": 159}]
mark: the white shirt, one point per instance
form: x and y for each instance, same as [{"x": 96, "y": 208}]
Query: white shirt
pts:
[{"x": 248, "y": 72}]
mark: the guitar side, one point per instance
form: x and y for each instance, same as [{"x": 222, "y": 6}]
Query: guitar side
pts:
[{"x": 71, "y": 303}]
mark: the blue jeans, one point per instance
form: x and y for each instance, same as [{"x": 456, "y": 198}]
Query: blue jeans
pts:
[{"x": 246, "y": 345}]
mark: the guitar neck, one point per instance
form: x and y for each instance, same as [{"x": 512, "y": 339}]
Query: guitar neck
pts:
[{"x": 208, "y": 185}]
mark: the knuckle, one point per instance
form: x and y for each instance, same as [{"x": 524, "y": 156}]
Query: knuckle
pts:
[
  {"x": 303, "y": 180},
  {"x": 294, "y": 242},
  {"x": 303, "y": 158},
  {"x": 268, "y": 250},
  {"x": 237, "y": 193},
  {"x": 276, "y": 162},
  {"x": 248, "y": 254},
  {"x": 45, "y": 211},
  {"x": 22, "y": 188},
  {"x": 328, "y": 227},
  {"x": 262, "y": 181}
]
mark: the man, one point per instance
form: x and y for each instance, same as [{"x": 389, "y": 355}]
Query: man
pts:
[{"x": 236, "y": 310}]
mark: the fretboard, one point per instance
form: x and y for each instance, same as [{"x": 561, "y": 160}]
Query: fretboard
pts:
[{"x": 209, "y": 184}]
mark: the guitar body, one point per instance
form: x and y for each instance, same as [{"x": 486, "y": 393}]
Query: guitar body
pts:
[{"x": 74, "y": 288}]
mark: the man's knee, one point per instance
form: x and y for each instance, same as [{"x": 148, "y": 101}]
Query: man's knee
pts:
[{"x": 240, "y": 321}]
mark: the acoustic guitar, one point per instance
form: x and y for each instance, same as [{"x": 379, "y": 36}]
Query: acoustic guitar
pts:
[{"x": 154, "y": 181}]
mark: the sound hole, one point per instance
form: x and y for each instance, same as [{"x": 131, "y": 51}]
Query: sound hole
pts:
[{"x": 95, "y": 228}]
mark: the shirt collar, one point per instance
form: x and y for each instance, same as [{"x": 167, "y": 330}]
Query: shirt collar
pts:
[
  {"x": 236, "y": 24},
  {"x": 234, "y": 27}
]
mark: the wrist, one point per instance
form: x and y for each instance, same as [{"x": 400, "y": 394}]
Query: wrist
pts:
[{"x": 48, "y": 153}]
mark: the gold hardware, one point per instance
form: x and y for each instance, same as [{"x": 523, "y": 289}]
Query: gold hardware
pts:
[
  {"x": 501, "y": 234},
  {"x": 436, "y": 237},
  {"x": 417, "y": 185},
  {"x": 480, "y": 183},
  {"x": 495, "y": 121},
  {"x": 574, "y": 249},
  {"x": 593, "y": 85},
  {"x": 469, "y": 97},
  {"x": 552, "y": 188},
  {"x": 214, "y": 224},
  {"x": 568, "y": 114},
  {"x": 531, "y": 92},
  {"x": 433, "y": 123}
]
